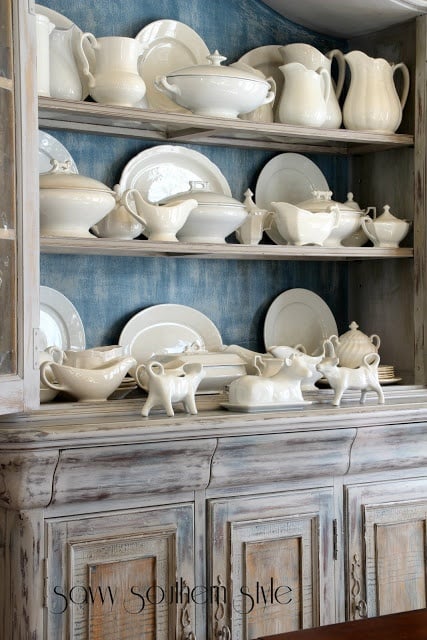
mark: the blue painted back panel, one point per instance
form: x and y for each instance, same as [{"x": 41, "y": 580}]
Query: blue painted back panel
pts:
[{"x": 107, "y": 290}]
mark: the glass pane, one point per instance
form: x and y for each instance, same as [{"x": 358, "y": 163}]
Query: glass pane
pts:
[
  {"x": 5, "y": 39},
  {"x": 8, "y": 296},
  {"x": 7, "y": 161}
]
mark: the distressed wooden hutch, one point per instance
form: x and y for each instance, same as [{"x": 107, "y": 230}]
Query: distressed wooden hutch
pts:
[{"x": 114, "y": 526}]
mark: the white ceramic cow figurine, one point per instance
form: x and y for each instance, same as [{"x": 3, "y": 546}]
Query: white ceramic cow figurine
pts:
[
  {"x": 168, "y": 387},
  {"x": 282, "y": 387},
  {"x": 363, "y": 378}
]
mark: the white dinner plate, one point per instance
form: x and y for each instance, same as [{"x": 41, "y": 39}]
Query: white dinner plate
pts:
[
  {"x": 166, "y": 329},
  {"x": 288, "y": 177},
  {"x": 267, "y": 59},
  {"x": 165, "y": 170},
  {"x": 60, "y": 322},
  {"x": 170, "y": 45},
  {"x": 51, "y": 149},
  {"x": 299, "y": 316}
]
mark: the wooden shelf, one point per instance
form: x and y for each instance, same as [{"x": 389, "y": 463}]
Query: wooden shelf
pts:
[
  {"x": 134, "y": 248},
  {"x": 91, "y": 117}
]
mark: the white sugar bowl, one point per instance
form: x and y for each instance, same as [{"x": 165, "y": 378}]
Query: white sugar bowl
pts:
[
  {"x": 386, "y": 231},
  {"x": 352, "y": 346},
  {"x": 216, "y": 90}
]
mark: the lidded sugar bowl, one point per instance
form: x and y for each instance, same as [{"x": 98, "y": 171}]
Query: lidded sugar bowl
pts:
[{"x": 353, "y": 345}]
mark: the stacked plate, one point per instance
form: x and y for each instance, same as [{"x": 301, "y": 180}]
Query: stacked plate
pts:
[{"x": 387, "y": 374}]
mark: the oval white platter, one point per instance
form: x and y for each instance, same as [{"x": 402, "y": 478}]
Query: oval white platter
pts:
[
  {"x": 166, "y": 329},
  {"x": 299, "y": 316},
  {"x": 169, "y": 45},
  {"x": 60, "y": 322},
  {"x": 166, "y": 170}
]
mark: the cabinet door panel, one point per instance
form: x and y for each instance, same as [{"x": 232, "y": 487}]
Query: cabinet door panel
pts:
[
  {"x": 387, "y": 524},
  {"x": 272, "y": 562},
  {"x": 122, "y": 575}
]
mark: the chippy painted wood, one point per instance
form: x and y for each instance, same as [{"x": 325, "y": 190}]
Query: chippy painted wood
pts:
[
  {"x": 389, "y": 448},
  {"x": 133, "y": 471},
  {"x": 23, "y": 604},
  {"x": 381, "y": 297},
  {"x": 178, "y": 127},
  {"x": 106, "y": 551},
  {"x": 106, "y": 246},
  {"x": 26, "y": 480},
  {"x": 420, "y": 212},
  {"x": 244, "y": 461},
  {"x": 20, "y": 389},
  {"x": 247, "y": 536},
  {"x": 386, "y": 558}
]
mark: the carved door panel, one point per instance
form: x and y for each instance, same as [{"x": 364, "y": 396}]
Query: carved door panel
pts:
[
  {"x": 271, "y": 564},
  {"x": 386, "y": 554},
  {"x": 126, "y": 575}
]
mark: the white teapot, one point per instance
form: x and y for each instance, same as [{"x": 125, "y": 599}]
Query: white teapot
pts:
[{"x": 351, "y": 347}]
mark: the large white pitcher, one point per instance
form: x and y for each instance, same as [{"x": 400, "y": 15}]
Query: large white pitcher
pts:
[
  {"x": 43, "y": 30},
  {"x": 65, "y": 79},
  {"x": 304, "y": 95},
  {"x": 372, "y": 102},
  {"x": 115, "y": 79},
  {"x": 313, "y": 59}
]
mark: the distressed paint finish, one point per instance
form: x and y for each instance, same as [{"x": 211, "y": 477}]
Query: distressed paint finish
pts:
[
  {"x": 244, "y": 533},
  {"x": 383, "y": 519},
  {"x": 393, "y": 447},
  {"x": 123, "y": 471},
  {"x": 276, "y": 458},
  {"x": 159, "y": 541},
  {"x": 26, "y": 479},
  {"x": 23, "y": 598}
]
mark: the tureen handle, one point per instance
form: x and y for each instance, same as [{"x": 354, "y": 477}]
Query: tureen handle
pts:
[
  {"x": 272, "y": 93},
  {"x": 161, "y": 83}
]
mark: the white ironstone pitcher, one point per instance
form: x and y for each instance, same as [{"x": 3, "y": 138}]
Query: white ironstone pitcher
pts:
[
  {"x": 313, "y": 59},
  {"x": 372, "y": 102}
]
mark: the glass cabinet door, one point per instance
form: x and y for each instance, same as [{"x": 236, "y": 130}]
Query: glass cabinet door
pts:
[{"x": 18, "y": 208}]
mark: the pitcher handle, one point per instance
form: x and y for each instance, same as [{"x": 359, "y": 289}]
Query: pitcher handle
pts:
[
  {"x": 339, "y": 56},
  {"x": 125, "y": 200},
  {"x": 371, "y": 237},
  {"x": 406, "y": 79},
  {"x": 326, "y": 77},
  {"x": 95, "y": 45}
]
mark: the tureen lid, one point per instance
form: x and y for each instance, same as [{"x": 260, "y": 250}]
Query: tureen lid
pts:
[
  {"x": 200, "y": 191},
  {"x": 322, "y": 202},
  {"x": 61, "y": 176},
  {"x": 215, "y": 68}
]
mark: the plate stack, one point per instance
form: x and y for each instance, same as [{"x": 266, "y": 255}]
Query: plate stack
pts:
[{"x": 387, "y": 374}]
